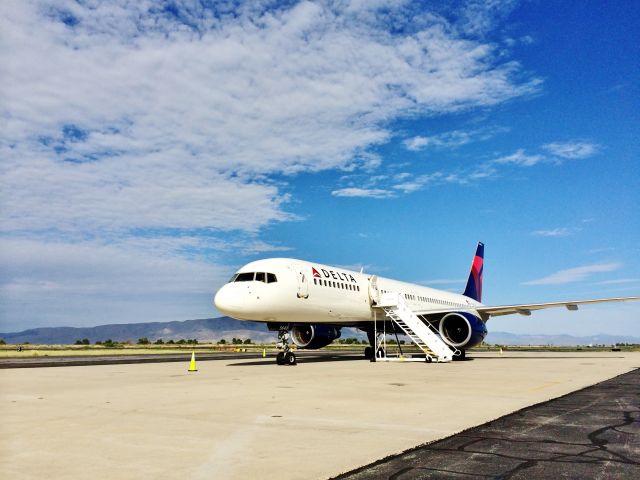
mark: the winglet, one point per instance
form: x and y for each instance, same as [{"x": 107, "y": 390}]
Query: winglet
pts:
[{"x": 474, "y": 283}]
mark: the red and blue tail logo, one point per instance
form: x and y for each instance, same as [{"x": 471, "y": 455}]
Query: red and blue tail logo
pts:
[{"x": 474, "y": 284}]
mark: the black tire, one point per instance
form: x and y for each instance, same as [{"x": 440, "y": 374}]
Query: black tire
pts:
[
  {"x": 428, "y": 359},
  {"x": 280, "y": 358},
  {"x": 368, "y": 353},
  {"x": 290, "y": 358}
]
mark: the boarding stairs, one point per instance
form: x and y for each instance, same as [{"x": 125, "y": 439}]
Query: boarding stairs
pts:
[{"x": 423, "y": 334}]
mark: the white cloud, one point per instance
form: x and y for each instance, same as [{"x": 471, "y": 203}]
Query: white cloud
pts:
[
  {"x": 258, "y": 246},
  {"x": 362, "y": 192},
  {"x": 416, "y": 143},
  {"x": 61, "y": 283},
  {"x": 417, "y": 183},
  {"x": 619, "y": 281},
  {"x": 453, "y": 139},
  {"x": 136, "y": 119},
  {"x": 126, "y": 126},
  {"x": 572, "y": 150},
  {"x": 407, "y": 182},
  {"x": 480, "y": 16},
  {"x": 554, "y": 232},
  {"x": 576, "y": 274},
  {"x": 520, "y": 158}
]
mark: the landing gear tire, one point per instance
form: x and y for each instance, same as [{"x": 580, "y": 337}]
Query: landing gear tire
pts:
[
  {"x": 290, "y": 358},
  {"x": 368, "y": 353},
  {"x": 286, "y": 356}
]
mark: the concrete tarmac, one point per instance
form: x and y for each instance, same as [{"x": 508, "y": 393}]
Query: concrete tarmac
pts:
[{"x": 254, "y": 419}]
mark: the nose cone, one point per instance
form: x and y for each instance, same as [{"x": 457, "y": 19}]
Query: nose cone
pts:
[{"x": 226, "y": 302}]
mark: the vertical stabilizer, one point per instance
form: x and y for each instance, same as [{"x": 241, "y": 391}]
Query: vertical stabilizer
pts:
[{"x": 474, "y": 284}]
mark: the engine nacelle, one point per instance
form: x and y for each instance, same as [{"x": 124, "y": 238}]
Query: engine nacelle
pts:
[
  {"x": 462, "y": 330},
  {"x": 310, "y": 337}
]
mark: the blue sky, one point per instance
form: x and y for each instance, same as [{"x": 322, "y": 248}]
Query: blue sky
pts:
[{"x": 149, "y": 149}]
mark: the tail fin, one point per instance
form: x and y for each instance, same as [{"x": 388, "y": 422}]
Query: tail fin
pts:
[{"x": 474, "y": 284}]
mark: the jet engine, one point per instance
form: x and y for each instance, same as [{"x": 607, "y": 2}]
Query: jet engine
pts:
[
  {"x": 310, "y": 337},
  {"x": 462, "y": 330}
]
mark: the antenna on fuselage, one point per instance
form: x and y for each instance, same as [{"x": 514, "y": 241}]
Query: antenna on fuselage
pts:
[{"x": 362, "y": 269}]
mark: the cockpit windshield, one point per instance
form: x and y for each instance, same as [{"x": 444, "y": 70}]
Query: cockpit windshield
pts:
[
  {"x": 245, "y": 277},
  {"x": 265, "y": 277}
]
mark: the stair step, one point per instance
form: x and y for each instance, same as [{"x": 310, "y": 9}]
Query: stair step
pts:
[{"x": 421, "y": 334}]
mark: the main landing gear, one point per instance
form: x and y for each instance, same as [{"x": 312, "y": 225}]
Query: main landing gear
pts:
[
  {"x": 369, "y": 351},
  {"x": 286, "y": 356}
]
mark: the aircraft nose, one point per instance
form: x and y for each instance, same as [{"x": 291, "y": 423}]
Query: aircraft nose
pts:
[{"x": 226, "y": 302}]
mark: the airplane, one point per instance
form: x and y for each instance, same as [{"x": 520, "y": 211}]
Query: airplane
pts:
[{"x": 309, "y": 303}]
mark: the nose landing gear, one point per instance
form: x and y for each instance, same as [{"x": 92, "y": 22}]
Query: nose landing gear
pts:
[{"x": 286, "y": 356}]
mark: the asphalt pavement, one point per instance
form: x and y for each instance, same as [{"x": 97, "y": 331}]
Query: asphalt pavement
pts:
[
  {"x": 78, "y": 360},
  {"x": 590, "y": 433}
]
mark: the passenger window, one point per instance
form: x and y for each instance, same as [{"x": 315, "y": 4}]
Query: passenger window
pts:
[
  {"x": 260, "y": 277},
  {"x": 245, "y": 277},
  {"x": 271, "y": 278},
  {"x": 315, "y": 281}
]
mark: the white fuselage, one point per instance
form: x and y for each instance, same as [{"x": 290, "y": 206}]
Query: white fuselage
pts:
[{"x": 305, "y": 292}]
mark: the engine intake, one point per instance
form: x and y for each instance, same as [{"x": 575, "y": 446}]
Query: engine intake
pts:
[
  {"x": 310, "y": 337},
  {"x": 462, "y": 330}
]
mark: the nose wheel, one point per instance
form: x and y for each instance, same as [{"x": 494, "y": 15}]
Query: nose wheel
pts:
[{"x": 286, "y": 356}]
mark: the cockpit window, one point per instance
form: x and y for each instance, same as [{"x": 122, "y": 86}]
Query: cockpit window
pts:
[
  {"x": 257, "y": 276},
  {"x": 245, "y": 277}
]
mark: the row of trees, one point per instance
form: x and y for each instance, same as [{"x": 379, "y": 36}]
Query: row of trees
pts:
[
  {"x": 352, "y": 341},
  {"x": 145, "y": 341},
  {"x": 236, "y": 341},
  {"x": 182, "y": 341}
]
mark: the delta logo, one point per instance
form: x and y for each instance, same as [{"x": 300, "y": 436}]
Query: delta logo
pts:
[{"x": 344, "y": 277}]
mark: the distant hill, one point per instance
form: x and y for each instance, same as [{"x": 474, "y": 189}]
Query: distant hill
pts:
[
  {"x": 207, "y": 329},
  {"x": 214, "y": 329},
  {"x": 506, "y": 338}
]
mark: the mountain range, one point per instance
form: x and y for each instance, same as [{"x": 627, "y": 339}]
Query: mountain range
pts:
[{"x": 214, "y": 329}]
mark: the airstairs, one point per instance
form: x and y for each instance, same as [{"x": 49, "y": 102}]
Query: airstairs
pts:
[{"x": 423, "y": 334}]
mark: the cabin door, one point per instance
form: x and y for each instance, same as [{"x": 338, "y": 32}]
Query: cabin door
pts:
[
  {"x": 303, "y": 282},
  {"x": 374, "y": 293}
]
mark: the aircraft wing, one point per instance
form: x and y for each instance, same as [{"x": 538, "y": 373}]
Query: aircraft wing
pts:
[
  {"x": 486, "y": 311},
  {"x": 527, "y": 308}
]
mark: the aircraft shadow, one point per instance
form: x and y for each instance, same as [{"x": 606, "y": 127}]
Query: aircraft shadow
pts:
[
  {"x": 314, "y": 359},
  {"x": 301, "y": 360}
]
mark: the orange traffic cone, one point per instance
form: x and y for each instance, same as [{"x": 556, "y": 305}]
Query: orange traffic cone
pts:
[{"x": 192, "y": 365}]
